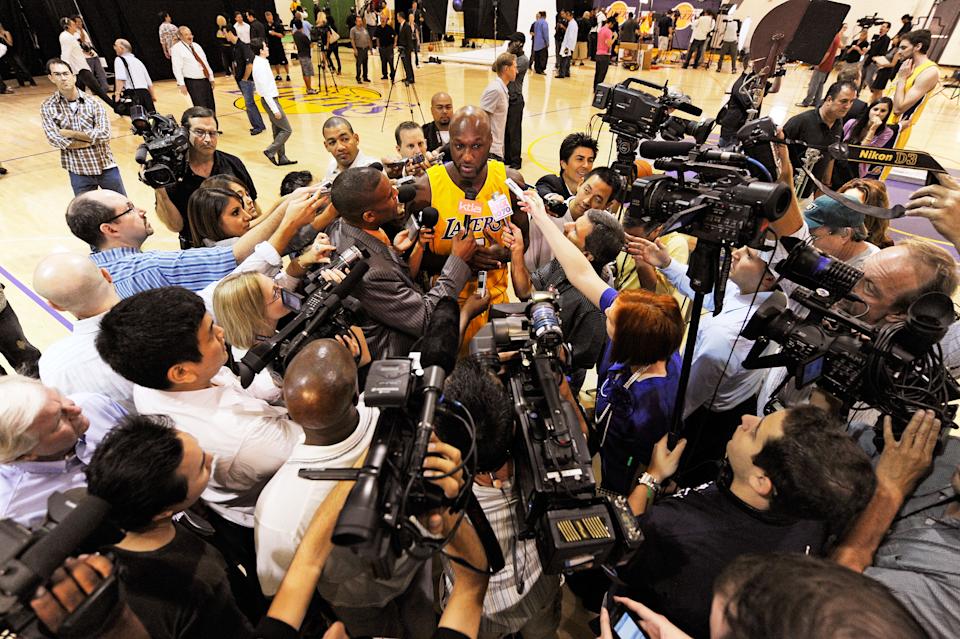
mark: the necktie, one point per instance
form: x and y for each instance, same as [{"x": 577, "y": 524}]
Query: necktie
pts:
[{"x": 206, "y": 72}]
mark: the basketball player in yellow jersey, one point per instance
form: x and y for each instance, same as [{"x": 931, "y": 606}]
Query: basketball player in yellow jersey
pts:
[
  {"x": 472, "y": 184},
  {"x": 914, "y": 84}
]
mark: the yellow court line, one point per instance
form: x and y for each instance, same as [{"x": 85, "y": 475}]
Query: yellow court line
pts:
[
  {"x": 922, "y": 238},
  {"x": 534, "y": 143}
]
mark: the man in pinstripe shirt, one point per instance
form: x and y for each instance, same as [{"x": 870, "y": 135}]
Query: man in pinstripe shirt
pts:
[{"x": 115, "y": 229}]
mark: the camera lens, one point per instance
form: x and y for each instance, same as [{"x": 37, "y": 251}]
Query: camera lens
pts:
[{"x": 545, "y": 325}]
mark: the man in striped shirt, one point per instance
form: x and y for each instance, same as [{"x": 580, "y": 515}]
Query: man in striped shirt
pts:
[
  {"x": 116, "y": 229},
  {"x": 77, "y": 124}
]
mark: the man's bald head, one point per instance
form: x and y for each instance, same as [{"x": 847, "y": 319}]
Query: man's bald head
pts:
[
  {"x": 470, "y": 119},
  {"x": 320, "y": 385},
  {"x": 73, "y": 283},
  {"x": 441, "y": 108}
]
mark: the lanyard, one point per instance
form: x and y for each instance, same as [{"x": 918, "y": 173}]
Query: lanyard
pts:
[{"x": 606, "y": 411}]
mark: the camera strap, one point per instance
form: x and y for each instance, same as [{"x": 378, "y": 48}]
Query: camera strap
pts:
[{"x": 491, "y": 547}]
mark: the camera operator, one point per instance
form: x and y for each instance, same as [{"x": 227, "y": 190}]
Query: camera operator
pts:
[
  {"x": 720, "y": 390},
  {"x": 321, "y": 393},
  {"x": 790, "y": 479},
  {"x": 203, "y": 160},
  {"x": 839, "y": 231},
  {"x": 174, "y": 581},
  {"x": 599, "y": 236},
  {"x": 47, "y": 440},
  {"x": 908, "y": 538},
  {"x": 640, "y": 368},
  {"x": 397, "y": 310},
  {"x": 780, "y": 595},
  {"x": 165, "y": 342},
  {"x": 521, "y": 599}
]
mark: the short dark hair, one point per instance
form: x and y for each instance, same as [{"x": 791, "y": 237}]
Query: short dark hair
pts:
[
  {"x": 919, "y": 38},
  {"x": 605, "y": 240},
  {"x": 297, "y": 24},
  {"x": 794, "y": 595},
  {"x": 197, "y": 112},
  {"x": 609, "y": 176},
  {"x": 256, "y": 44},
  {"x": 408, "y": 125},
  {"x": 147, "y": 333},
  {"x": 163, "y": 15},
  {"x": 352, "y": 192},
  {"x": 834, "y": 90},
  {"x": 817, "y": 470},
  {"x": 479, "y": 391},
  {"x": 53, "y": 61},
  {"x": 294, "y": 180},
  {"x": 138, "y": 492},
  {"x": 84, "y": 217},
  {"x": 335, "y": 121},
  {"x": 574, "y": 141},
  {"x": 889, "y": 24},
  {"x": 238, "y": 13}
]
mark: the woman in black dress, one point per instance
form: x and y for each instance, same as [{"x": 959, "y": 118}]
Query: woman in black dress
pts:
[
  {"x": 275, "y": 52},
  {"x": 886, "y": 69}
]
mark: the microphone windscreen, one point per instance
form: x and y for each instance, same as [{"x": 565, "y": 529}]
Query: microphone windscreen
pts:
[
  {"x": 441, "y": 341},
  {"x": 406, "y": 193},
  {"x": 653, "y": 149},
  {"x": 686, "y": 107},
  {"x": 429, "y": 217},
  {"x": 52, "y": 549},
  {"x": 376, "y": 165}
]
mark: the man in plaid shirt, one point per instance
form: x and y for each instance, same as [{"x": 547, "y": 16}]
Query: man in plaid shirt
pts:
[{"x": 77, "y": 125}]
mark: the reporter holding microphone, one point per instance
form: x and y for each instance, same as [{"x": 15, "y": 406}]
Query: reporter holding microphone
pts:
[{"x": 640, "y": 367}]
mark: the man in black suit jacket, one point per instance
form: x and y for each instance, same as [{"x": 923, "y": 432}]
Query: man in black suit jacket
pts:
[
  {"x": 406, "y": 44},
  {"x": 397, "y": 311},
  {"x": 257, "y": 28}
]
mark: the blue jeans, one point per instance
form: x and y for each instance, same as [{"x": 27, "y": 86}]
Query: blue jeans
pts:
[
  {"x": 108, "y": 180},
  {"x": 253, "y": 114}
]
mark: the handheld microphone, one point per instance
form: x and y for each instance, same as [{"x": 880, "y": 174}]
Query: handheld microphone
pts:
[
  {"x": 427, "y": 218},
  {"x": 406, "y": 193}
]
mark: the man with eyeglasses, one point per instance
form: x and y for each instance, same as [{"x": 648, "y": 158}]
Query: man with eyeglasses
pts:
[
  {"x": 115, "y": 229},
  {"x": 203, "y": 160},
  {"x": 78, "y": 125},
  {"x": 193, "y": 73}
]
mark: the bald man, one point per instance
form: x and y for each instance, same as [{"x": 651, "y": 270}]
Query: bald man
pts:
[
  {"x": 437, "y": 132},
  {"x": 320, "y": 389},
  {"x": 193, "y": 73},
  {"x": 73, "y": 284},
  {"x": 471, "y": 184}
]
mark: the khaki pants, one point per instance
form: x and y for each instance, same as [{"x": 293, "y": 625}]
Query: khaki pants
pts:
[{"x": 580, "y": 52}]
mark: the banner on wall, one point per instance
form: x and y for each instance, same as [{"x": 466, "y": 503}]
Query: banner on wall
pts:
[{"x": 682, "y": 29}]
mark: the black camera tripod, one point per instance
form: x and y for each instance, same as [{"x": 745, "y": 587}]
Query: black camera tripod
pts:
[{"x": 408, "y": 86}]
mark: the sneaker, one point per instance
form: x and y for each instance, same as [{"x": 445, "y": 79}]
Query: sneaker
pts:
[
  {"x": 288, "y": 78},
  {"x": 277, "y": 77}
]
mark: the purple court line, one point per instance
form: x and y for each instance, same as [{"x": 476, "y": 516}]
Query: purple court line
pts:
[{"x": 36, "y": 298}]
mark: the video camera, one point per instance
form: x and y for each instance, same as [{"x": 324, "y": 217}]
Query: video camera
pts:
[
  {"x": 638, "y": 114},
  {"x": 391, "y": 487},
  {"x": 896, "y": 368},
  {"x": 575, "y": 527},
  {"x": 163, "y": 153},
  {"x": 323, "y": 311},
  {"x": 870, "y": 21},
  {"x": 29, "y": 558}
]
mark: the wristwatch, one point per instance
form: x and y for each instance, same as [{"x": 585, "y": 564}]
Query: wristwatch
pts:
[{"x": 646, "y": 479}]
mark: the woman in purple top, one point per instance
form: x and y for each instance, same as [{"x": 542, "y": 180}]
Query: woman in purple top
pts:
[{"x": 871, "y": 129}]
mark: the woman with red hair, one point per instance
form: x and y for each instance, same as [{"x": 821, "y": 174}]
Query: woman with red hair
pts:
[{"x": 640, "y": 368}]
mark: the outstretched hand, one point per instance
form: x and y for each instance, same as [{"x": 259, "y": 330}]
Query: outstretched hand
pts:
[{"x": 904, "y": 463}]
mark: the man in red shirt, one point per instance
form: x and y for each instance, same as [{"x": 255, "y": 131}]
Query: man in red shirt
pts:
[{"x": 821, "y": 72}]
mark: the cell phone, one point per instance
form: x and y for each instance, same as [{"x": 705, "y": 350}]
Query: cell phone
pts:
[
  {"x": 625, "y": 624},
  {"x": 325, "y": 188},
  {"x": 514, "y": 188},
  {"x": 481, "y": 283},
  {"x": 290, "y": 300}
]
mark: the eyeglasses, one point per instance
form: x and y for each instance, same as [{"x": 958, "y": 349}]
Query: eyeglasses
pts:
[
  {"x": 130, "y": 208},
  {"x": 277, "y": 292},
  {"x": 203, "y": 133}
]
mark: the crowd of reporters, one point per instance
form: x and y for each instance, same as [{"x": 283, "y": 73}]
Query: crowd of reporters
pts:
[{"x": 221, "y": 537}]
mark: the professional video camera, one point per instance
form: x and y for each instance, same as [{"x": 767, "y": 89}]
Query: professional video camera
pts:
[
  {"x": 896, "y": 368},
  {"x": 28, "y": 559},
  {"x": 163, "y": 152},
  {"x": 575, "y": 527},
  {"x": 391, "y": 487},
  {"x": 322, "y": 311},
  {"x": 636, "y": 113},
  {"x": 870, "y": 21}
]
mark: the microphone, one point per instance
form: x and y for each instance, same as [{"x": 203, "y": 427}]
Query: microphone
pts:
[
  {"x": 438, "y": 356},
  {"x": 654, "y": 149},
  {"x": 375, "y": 165},
  {"x": 427, "y": 218},
  {"x": 687, "y": 107},
  {"x": 406, "y": 193}
]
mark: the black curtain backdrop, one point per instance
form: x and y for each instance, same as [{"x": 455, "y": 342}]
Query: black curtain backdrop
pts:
[
  {"x": 478, "y": 18},
  {"x": 435, "y": 12},
  {"x": 107, "y": 20}
]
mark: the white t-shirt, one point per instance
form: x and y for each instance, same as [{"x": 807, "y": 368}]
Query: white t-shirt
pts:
[
  {"x": 288, "y": 501},
  {"x": 702, "y": 27},
  {"x": 243, "y": 31}
]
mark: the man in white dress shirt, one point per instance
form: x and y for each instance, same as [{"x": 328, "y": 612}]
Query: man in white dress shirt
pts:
[
  {"x": 73, "y": 283},
  {"x": 165, "y": 342},
  {"x": 130, "y": 73},
  {"x": 242, "y": 28},
  {"x": 192, "y": 71},
  {"x": 495, "y": 100},
  {"x": 320, "y": 389},
  {"x": 266, "y": 86},
  {"x": 344, "y": 145},
  {"x": 72, "y": 54},
  {"x": 702, "y": 27},
  {"x": 46, "y": 441}
]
